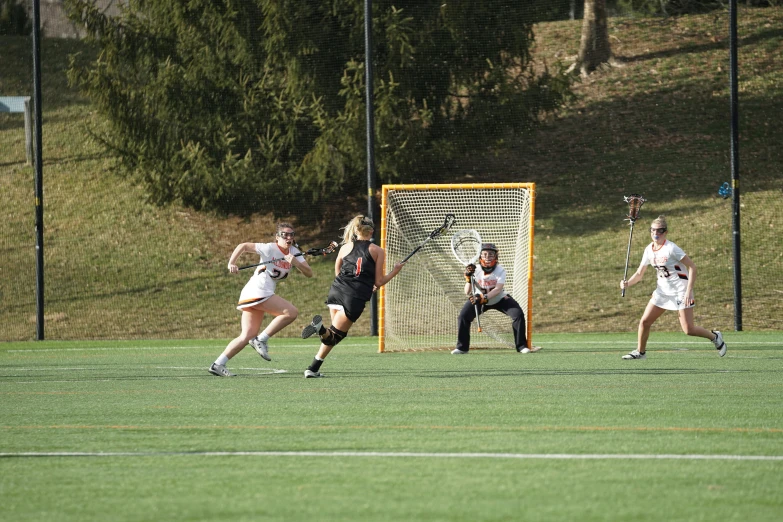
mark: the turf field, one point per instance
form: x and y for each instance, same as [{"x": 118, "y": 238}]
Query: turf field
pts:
[{"x": 140, "y": 431}]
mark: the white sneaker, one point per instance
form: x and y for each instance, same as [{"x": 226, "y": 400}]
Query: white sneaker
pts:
[
  {"x": 457, "y": 351},
  {"x": 261, "y": 348},
  {"x": 532, "y": 349},
  {"x": 220, "y": 370},
  {"x": 635, "y": 355},
  {"x": 310, "y": 374},
  {"x": 719, "y": 344},
  {"x": 313, "y": 328}
]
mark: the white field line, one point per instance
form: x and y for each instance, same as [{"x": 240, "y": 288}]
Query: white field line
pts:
[
  {"x": 188, "y": 368},
  {"x": 391, "y": 454},
  {"x": 257, "y": 371},
  {"x": 163, "y": 348},
  {"x": 310, "y": 345},
  {"x": 588, "y": 343}
]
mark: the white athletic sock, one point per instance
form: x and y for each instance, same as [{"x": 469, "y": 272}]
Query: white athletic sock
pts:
[
  {"x": 221, "y": 360},
  {"x": 263, "y": 337}
]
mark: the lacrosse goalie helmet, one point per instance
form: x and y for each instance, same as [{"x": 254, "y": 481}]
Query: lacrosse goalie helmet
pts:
[{"x": 488, "y": 265}]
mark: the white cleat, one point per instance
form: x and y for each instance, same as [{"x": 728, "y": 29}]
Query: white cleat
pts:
[
  {"x": 532, "y": 349},
  {"x": 261, "y": 347},
  {"x": 636, "y": 354},
  {"x": 719, "y": 344},
  {"x": 220, "y": 370},
  {"x": 457, "y": 351}
]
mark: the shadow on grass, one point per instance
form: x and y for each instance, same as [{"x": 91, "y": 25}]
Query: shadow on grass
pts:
[
  {"x": 664, "y": 146},
  {"x": 721, "y": 45}
]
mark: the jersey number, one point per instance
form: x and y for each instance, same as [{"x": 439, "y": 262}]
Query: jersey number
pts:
[
  {"x": 358, "y": 267},
  {"x": 662, "y": 270},
  {"x": 274, "y": 273}
]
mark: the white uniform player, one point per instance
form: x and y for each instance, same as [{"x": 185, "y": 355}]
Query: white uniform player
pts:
[
  {"x": 490, "y": 294},
  {"x": 672, "y": 276},
  {"x": 487, "y": 282},
  {"x": 262, "y": 284},
  {"x": 676, "y": 275},
  {"x": 258, "y": 296}
]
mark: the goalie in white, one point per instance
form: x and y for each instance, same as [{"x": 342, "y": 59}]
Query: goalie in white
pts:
[{"x": 490, "y": 281}]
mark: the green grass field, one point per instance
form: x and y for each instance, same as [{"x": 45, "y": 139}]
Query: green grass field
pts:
[{"x": 137, "y": 430}]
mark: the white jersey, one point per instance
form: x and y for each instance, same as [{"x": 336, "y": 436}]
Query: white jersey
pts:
[
  {"x": 487, "y": 282},
  {"x": 263, "y": 283},
  {"x": 672, "y": 275}
]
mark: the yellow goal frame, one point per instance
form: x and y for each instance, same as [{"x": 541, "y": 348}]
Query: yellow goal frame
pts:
[{"x": 457, "y": 186}]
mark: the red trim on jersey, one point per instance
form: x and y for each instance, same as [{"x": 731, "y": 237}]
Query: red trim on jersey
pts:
[{"x": 660, "y": 247}]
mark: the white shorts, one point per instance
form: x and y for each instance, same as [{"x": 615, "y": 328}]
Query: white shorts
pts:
[{"x": 671, "y": 302}]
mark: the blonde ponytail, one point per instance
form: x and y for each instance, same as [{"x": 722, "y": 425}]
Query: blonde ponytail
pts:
[{"x": 358, "y": 226}]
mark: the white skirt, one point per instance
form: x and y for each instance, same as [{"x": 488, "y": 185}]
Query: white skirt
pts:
[
  {"x": 251, "y": 295},
  {"x": 671, "y": 302}
]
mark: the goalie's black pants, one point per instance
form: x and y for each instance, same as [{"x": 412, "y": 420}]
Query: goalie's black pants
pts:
[{"x": 508, "y": 306}]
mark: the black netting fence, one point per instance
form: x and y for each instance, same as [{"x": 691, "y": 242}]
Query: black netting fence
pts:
[{"x": 173, "y": 131}]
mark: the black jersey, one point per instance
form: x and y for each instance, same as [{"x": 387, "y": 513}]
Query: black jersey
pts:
[{"x": 357, "y": 273}]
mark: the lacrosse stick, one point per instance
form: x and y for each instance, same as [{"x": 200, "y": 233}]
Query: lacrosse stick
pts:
[
  {"x": 466, "y": 246},
  {"x": 447, "y": 223},
  {"x": 635, "y": 202},
  {"x": 312, "y": 252}
]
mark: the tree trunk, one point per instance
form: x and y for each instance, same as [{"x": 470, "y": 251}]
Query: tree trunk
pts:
[{"x": 594, "y": 48}]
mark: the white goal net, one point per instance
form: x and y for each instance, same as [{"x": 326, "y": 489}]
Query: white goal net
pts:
[{"x": 418, "y": 309}]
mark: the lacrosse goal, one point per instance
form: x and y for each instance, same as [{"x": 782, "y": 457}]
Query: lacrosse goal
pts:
[{"x": 418, "y": 309}]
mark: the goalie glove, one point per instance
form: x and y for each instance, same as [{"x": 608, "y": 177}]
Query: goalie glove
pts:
[
  {"x": 478, "y": 299},
  {"x": 469, "y": 271}
]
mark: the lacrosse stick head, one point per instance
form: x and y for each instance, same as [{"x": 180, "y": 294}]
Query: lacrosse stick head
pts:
[
  {"x": 466, "y": 246},
  {"x": 635, "y": 202},
  {"x": 323, "y": 251},
  {"x": 448, "y": 222}
]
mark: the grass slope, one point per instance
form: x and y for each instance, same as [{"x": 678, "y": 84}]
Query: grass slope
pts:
[
  {"x": 494, "y": 435},
  {"x": 118, "y": 267}
]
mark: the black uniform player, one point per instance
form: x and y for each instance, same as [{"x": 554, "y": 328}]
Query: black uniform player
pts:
[{"x": 358, "y": 273}]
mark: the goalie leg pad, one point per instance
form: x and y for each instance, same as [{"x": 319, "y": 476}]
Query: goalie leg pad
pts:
[{"x": 333, "y": 336}]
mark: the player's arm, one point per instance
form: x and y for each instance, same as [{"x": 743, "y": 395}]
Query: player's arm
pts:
[
  {"x": 636, "y": 277},
  {"x": 379, "y": 255},
  {"x": 498, "y": 288},
  {"x": 238, "y": 251},
  {"x": 687, "y": 261},
  {"x": 470, "y": 270},
  {"x": 301, "y": 264},
  {"x": 338, "y": 263}
]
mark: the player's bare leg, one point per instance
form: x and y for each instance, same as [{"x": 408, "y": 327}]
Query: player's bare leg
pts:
[
  {"x": 336, "y": 333},
  {"x": 686, "y": 322},
  {"x": 251, "y": 322},
  {"x": 339, "y": 321},
  {"x": 285, "y": 313},
  {"x": 651, "y": 314}
]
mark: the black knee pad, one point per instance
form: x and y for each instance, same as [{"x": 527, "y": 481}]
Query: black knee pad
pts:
[{"x": 333, "y": 336}]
